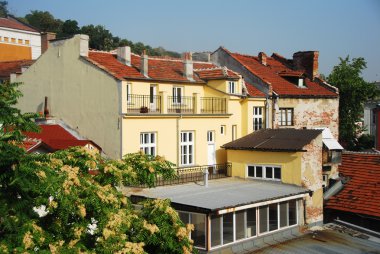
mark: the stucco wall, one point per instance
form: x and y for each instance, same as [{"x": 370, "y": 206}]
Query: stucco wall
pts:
[
  {"x": 84, "y": 97},
  {"x": 311, "y": 171},
  {"x": 312, "y": 113}
]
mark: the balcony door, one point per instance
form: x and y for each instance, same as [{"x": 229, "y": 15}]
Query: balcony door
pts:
[
  {"x": 153, "y": 98},
  {"x": 211, "y": 148}
]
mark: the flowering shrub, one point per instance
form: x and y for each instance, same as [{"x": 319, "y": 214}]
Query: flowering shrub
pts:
[{"x": 55, "y": 203}]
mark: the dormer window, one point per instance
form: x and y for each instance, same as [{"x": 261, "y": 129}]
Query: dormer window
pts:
[
  {"x": 232, "y": 87},
  {"x": 301, "y": 82}
]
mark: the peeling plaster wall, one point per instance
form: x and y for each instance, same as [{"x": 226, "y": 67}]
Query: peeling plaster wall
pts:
[
  {"x": 311, "y": 178},
  {"x": 311, "y": 113}
]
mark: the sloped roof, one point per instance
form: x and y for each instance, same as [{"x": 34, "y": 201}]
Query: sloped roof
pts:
[
  {"x": 274, "y": 73},
  {"x": 54, "y": 137},
  {"x": 9, "y": 67},
  {"x": 16, "y": 24},
  {"x": 274, "y": 140},
  {"x": 162, "y": 69},
  {"x": 253, "y": 91},
  {"x": 361, "y": 194}
]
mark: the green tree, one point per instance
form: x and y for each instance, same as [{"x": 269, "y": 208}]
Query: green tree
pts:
[
  {"x": 69, "y": 27},
  {"x": 44, "y": 21},
  {"x": 100, "y": 38},
  {"x": 354, "y": 91},
  {"x": 4, "y": 9},
  {"x": 68, "y": 202}
]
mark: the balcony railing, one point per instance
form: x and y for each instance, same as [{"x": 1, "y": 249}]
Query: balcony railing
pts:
[
  {"x": 212, "y": 105},
  {"x": 181, "y": 104},
  {"x": 143, "y": 103},
  {"x": 195, "y": 174}
]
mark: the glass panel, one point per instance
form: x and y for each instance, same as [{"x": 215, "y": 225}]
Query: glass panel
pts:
[
  {"x": 273, "y": 217},
  {"x": 184, "y": 217},
  {"x": 251, "y": 171},
  {"x": 277, "y": 173},
  {"x": 215, "y": 230},
  {"x": 146, "y": 150},
  {"x": 199, "y": 233},
  {"x": 146, "y": 138},
  {"x": 152, "y": 152},
  {"x": 283, "y": 214},
  {"x": 190, "y": 136},
  {"x": 251, "y": 222},
  {"x": 240, "y": 224},
  {"x": 269, "y": 172},
  {"x": 259, "y": 171},
  {"x": 292, "y": 212},
  {"x": 263, "y": 223},
  {"x": 289, "y": 120},
  {"x": 152, "y": 138},
  {"x": 228, "y": 228}
]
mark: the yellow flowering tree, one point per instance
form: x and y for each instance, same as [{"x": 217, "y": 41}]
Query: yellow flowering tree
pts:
[{"x": 68, "y": 202}]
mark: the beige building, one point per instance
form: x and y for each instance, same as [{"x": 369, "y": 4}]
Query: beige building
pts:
[{"x": 177, "y": 108}]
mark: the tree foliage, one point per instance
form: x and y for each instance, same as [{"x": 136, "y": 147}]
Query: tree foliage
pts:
[
  {"x": 354, "y": 91},
  {"x": 4, "y": 9},
  {"x": 44, "y": 21},
  {"x": 69, "y": 202}
]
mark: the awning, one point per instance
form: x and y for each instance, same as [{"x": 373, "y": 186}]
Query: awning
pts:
[{"x": 330, "y": 142}]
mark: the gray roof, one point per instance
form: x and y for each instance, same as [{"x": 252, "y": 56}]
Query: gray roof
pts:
[
  {"x": 221, "y": 193},
  {"x": 275, "y": 140}
]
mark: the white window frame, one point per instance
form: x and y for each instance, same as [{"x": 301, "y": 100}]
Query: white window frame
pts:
[
  {"x": 264, "y": 177},
  {"x": 257, "y": 116},
  {"x": 177, "y": 95},
  {"x": 187, "y": 159},
  {"x": 223, "y": 130},
  {"x": 286, "y": 116},
  {"x": 232, "y": 87},
  {"x": 234, "y": 132},
  {"x": 190, "y": 222},
  {"x": 146, "y": 143},
  {"x": 129, "y": 93},
  {"x": 210, "y": 137}
]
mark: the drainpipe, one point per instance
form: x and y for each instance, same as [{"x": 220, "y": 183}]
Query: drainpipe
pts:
[
  {"x": 205, "y": 176},
  {"x": 267, "y": 112},
  {"x": 177, "y": 145}
]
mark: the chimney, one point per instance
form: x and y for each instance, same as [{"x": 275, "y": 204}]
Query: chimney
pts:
[
  {"x": 307, "y": 61},
  {"x": 263, "y": 58},
  {"x": 46, "y": 109},
  {"x": 144, "y": 64},
  {"x": 188, "y": 67},
  {"x": 83, "y": 44},
  {"x": 124, "y": 55},
  {"x": 45, "y": 38}
]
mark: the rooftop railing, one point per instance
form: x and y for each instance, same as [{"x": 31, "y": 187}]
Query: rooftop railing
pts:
[{"x": 143, "y": 103}]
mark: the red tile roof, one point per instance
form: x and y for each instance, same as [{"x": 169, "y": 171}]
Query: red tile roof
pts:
[
  {"x": 16, "y": 24},
  {"x": 162, "y": 69},
  {"x": 269, "y": 73},
  {"x": 54, "y": 137},
  {"x": 253, "y": 91},
  {"x": 216, "y": 73},
  {"x": 7, "y": 68},
  {"x": 361, "y": 194}
]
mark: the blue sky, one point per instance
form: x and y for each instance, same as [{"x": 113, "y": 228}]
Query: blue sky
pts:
[{"x": 336, "y": 28}]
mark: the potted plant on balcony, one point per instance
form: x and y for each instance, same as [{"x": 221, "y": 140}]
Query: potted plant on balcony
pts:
[{"x": 144, "y": 109}]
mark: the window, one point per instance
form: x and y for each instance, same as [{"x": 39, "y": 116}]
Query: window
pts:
[
  {"x": 177, "y": 95},
  {"x": 240, "y": 224},
  {"x": 228, "y": 228},
  {"x": 292, "y": 212},
  {"x": 19, "y": 41},
  {"x": 6, "y": 39},
  {"x": 286, "y": 116},
  {"x": 210, "y": 137},
  {"x": 187, "y": 148},
  {"x": 223, "y": 129},
  {"x": 216, "y": 229},
  {"x": 148, "y": 143},
  {"x": 251, "y": 222},
  {"x": 199, "y": 232},
  {"x": 301, "y": 82},
  {"x": 13, "y": 40},
  {"x": 258, "y": 118},
  {"x": 263, "y": 219},
  {"x": 231, "y": 87},
  {"x": 234, "y": 132},
  {"x": 273, "y": 217},
  {"x": 264, "y": 172},
  {"x": 27, "y": 42},
  {"x": 129, "y": 93}
]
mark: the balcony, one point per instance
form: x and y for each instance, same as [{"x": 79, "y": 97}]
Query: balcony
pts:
[{"x": 162, "y": 104}]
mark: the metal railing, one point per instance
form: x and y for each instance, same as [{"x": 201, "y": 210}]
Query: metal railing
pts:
[
  {"x": 143, "y": 103},
  {"x": 181, "y": 105},
  {"x": 195, "y": 174},
  {"x": 213, "y": 105}
]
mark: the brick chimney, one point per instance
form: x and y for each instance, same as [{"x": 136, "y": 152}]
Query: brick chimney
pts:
[
  {"x": 124, "y": 55},
  {"x": 263, "y": 58},
  {"x": 188, "y": 67},
  {"x": 308, "y": 62},
  {"x": 144, "y": 64},
  {"x": 45, "y": 38}
]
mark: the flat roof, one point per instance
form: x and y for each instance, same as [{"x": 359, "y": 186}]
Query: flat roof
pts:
[{"x": 221, "y": 193}]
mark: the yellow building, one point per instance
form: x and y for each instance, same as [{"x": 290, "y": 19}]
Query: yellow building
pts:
[{"x": 177, "y": 108}]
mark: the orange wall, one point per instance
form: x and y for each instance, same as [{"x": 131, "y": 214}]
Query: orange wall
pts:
[{"x": 13, "y": 52}]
